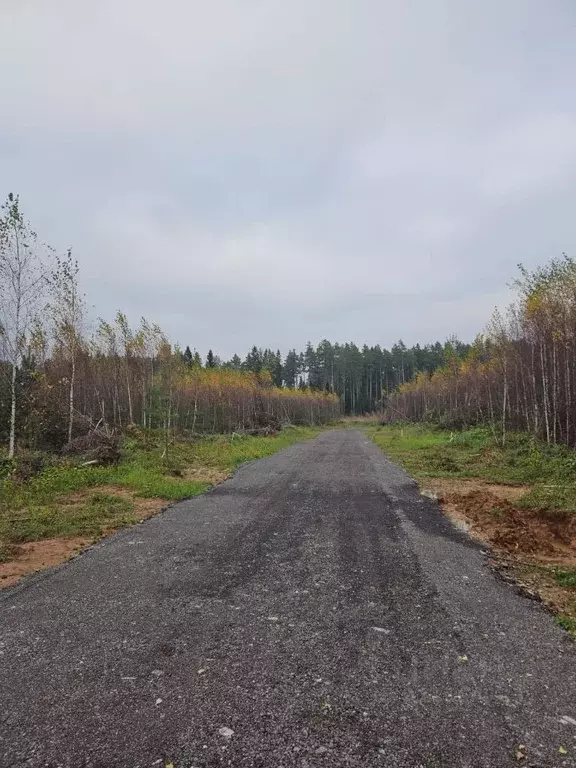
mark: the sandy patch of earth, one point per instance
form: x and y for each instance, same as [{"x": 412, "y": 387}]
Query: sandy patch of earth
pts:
[
  {"x": 447, "y": 485},
  {"x": 36, "y": 555}
]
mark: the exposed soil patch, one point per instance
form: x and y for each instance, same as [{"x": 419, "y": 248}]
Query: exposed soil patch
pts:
[
  {"x": 448, "y": 485},
  {"x": 547, "y": 535},
  {"x": 37, "y": 555},
  {"x": 527, "y": 544},
  {"x": 206, "y": 475},
  {"x": 489, "y": 512}
]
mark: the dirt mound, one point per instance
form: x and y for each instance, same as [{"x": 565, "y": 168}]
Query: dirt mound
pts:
[{"x": 539, "y": 532}]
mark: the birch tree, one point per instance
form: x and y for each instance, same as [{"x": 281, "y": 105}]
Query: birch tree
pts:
[
  {"x": 22, "y": 284},
  {"x": 127, "y": 342},
  {"x": 68, "y": 309}
]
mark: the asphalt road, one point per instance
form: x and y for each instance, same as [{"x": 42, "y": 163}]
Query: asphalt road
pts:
[{"x": 315, "y": 605}]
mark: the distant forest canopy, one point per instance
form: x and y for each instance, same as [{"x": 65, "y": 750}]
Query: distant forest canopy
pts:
[
  {"x": 519, "y": 374},
  {"x": 362, "y": 377}
]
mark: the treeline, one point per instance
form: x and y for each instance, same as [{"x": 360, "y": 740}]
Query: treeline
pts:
[
  {"x": 520, "y": 374},
  {"x": 362, "y": 377},
  {"x": 57, "y": 379},
  {"x": 58, "y": 382}
]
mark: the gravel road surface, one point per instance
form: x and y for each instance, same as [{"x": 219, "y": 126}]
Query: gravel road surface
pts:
[{"x": 314, "y": 610}]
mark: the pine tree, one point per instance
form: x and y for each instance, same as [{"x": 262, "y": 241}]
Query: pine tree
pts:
[
  {"x": 254, "y": 360},
  {"x": 187, "y": 356},
  {"x": 290, "y": 369},
  {"x": 313, "y": 375},
  {"x": 277, "y": 369}
]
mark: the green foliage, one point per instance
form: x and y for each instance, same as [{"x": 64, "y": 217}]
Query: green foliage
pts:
[
  {"x": 566, "y": 578},
  {"x": 554, "y": 497},
  {"x": 187, "y": 357},
  {"x": 7, "y": 466}
]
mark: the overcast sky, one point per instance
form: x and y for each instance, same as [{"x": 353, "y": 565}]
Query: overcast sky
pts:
[{"x": 271, "y": 171}]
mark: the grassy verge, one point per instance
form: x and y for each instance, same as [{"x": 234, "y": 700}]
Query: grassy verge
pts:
[
  {"x": 550, "y": 470},
  {"x": 67, "y": 500},
  {"x": 519, "y": 497}
]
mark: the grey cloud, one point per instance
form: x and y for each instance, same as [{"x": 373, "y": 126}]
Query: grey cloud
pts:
[{"x": 269, "y": 172}]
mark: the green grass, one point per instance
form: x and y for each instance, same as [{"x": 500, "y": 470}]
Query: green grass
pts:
[
  {"x": 99, "y": 512},
  {"x": 566, "y": 578},
  {"x": 428, "y": 452},
  {"x": 568, "y": 623},
  {"x": 45, "y": 507}
]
